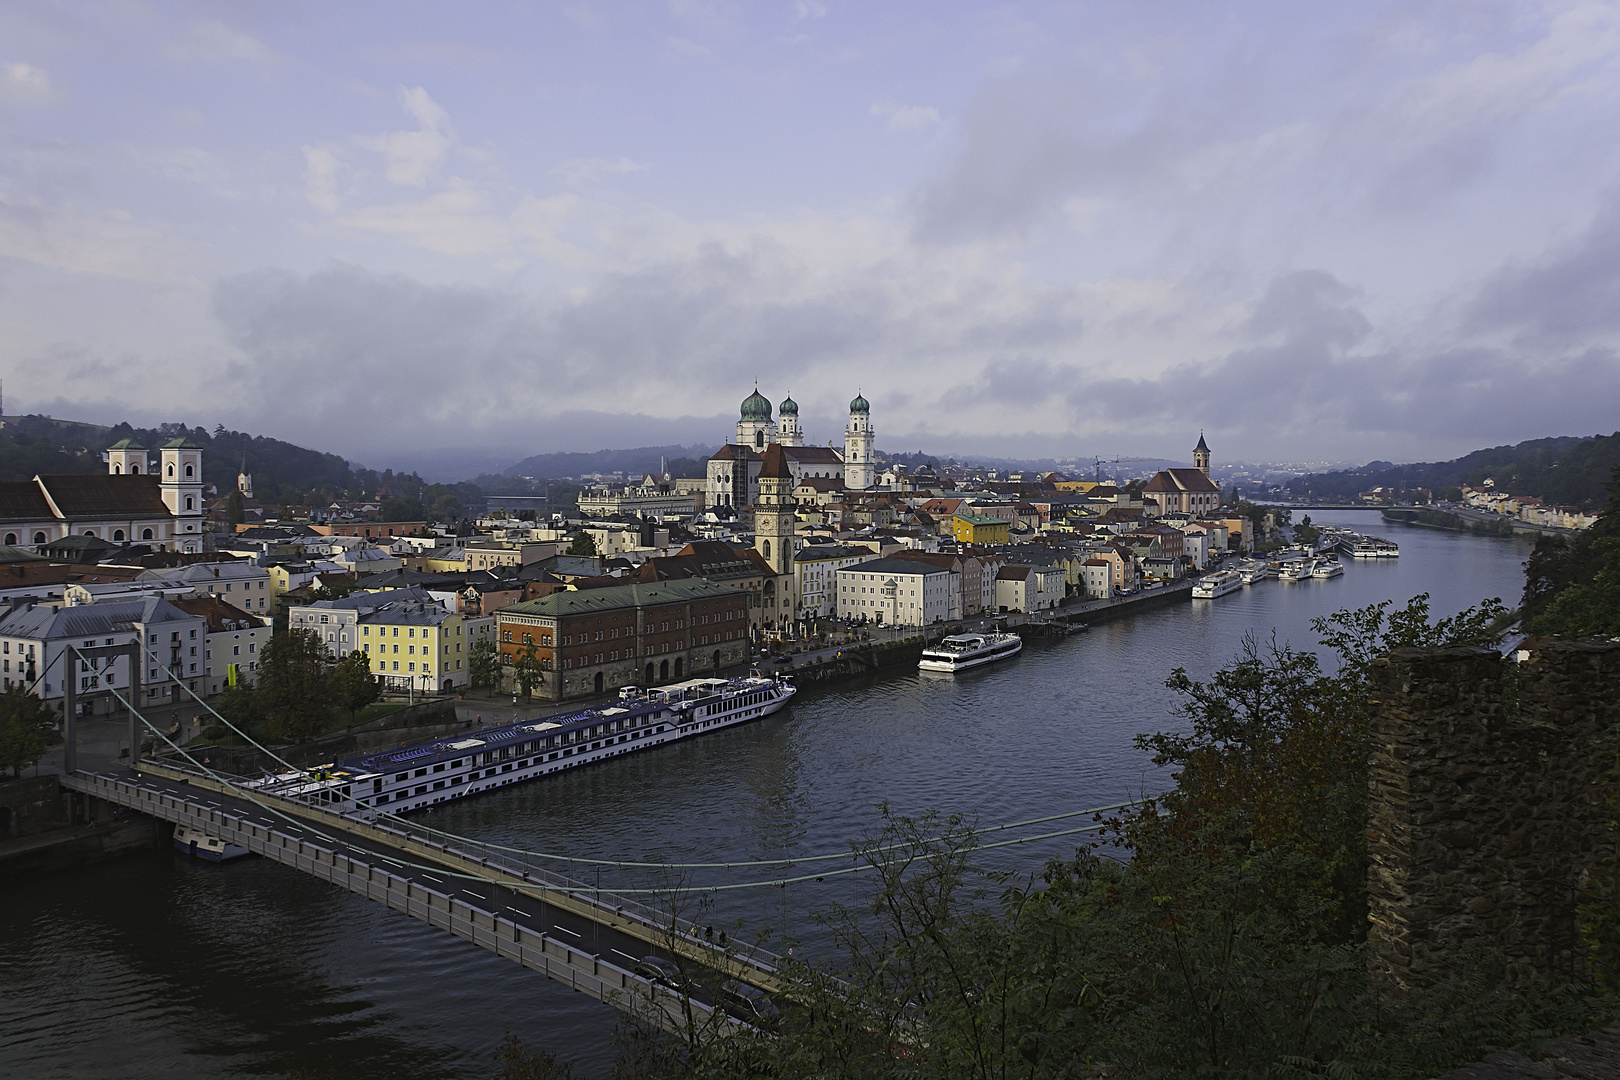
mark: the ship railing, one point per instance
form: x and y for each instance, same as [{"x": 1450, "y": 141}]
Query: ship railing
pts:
[{"x": 514, "y": 866}]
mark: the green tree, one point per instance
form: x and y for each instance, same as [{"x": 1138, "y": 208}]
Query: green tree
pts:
[
  {"x": 527, "y": 670},
  {"x": 295, "y": 684},
  {"x": 26, "y": 723},
  {"x": 584, "y": 544},
  {"x": 234, "y": 512},
  {"x": 400, "y": 508},
  {"x": 484, "y": 662},
  {"x": 518, "y": 1062},
  {"x": 241, "y": 706},
  {"x": 353, "y": 684}
]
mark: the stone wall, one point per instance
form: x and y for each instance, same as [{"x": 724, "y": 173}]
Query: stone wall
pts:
[
  {"x": 30, "y": 806},
  {"x": 1487, "y": 812}
]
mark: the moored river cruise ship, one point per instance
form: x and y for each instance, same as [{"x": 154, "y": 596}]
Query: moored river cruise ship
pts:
[
  {"x": 466, "y": 763},
  {"x": 963, "y": 651}
]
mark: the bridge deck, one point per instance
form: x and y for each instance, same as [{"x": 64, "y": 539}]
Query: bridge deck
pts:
[{"x": 576, "y": 940}]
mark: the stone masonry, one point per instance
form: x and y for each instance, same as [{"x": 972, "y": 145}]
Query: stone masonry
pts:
[{"x": 1486, "y": 819}]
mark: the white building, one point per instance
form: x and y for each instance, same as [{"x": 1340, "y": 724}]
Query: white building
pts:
[
  {"x": 732, "y": 474},
  {"x": 860, "y": 461},
  {"x": 1097, "y": 578},
  {"x": 132, "y": 503},
  {"x": 33, "y": 640},
  {"x": 335, "y": 621},
  {"x": 815, "y": 576},
  {"x": 898, "y": 592},
  {"x": 235, "y": 639},
  {"x": 1029, "y": 588}
]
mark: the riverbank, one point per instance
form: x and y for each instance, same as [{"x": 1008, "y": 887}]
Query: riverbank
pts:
[{"x": 1452, "y": 522}]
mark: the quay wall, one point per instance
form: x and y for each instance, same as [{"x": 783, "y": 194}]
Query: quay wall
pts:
[{"x": 1487, "y": 806}]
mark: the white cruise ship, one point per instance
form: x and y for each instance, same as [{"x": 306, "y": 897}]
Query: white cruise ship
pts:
[
  {"x": 466, "y": 763},
  {"x": 1253, "y": 571},
  {"x": 962, "y": 651},
  {"x": 1297, "y": 570},
  {"x": 1217, "y": 584},
  {"x": 1327, "y": 568}
]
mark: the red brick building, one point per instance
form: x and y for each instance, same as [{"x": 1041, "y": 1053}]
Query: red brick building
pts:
[{"x": 593, "y": 641}]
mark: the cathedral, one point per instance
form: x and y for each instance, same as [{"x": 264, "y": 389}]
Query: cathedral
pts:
[{"x": 733, "y": 476}]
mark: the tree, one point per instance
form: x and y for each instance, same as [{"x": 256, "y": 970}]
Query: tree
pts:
[
  {"x": 241, "y": 706},
  {"x": 518, "y": 1062},
  {"x": 484, "y": 662},
  {"x": 26, "y": 723},
  {"x": 233, "y": 508},
  {"x": 527, "y": 670},
  {"x": 353, "y": 684},
  {"x": 584, "y": 544},
  {"x": 295, "y": 684}
]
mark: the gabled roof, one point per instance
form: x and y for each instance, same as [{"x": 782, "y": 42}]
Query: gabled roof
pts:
[
  {"x": 775, "y": 466},
  {"x": 96, "y": 495},
  {"x": 22, "y": 500},
  {"x": 619, "y": 597},
  {"x": 222, "y": 617},
  {"x": 1179, "y": 480},
  {"x": 814, "y": 455}
]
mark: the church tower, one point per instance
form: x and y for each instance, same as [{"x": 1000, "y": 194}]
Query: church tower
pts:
[
  {"x": 755, "y": 429},
  {"x": 859, "y": 462},
  {"x": 1201, "y": 455},
  {"x": 181, "y": 486},
  {"x": 773, "y": 514},
  {"x": 126, "y": 457},
  {"x": 788, "y": 431},
  {"x": 244, "y": 481}
]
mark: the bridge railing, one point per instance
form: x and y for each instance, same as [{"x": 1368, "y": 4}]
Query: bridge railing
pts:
[{"x": 511, "y": 865}]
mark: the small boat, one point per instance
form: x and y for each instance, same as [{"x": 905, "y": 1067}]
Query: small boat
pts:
[
  {"x": 960, "y": 652},
  {"x": 200, "y": 845},
  {"x": 1217, "y": 584},
  {"x": 1327, "y": 568}
]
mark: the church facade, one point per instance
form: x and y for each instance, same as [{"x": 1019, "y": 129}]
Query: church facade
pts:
[
  {"x": 1183, "y": 491},
  {"x": 131, "y": 503},
  {"x": 734, "y": 470}
]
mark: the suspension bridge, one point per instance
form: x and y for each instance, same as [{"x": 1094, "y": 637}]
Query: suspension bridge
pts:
[{"x": 511, "y": 902}]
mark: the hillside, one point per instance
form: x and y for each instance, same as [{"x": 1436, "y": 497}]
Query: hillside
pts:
[{"x": 1566, "y": 470}]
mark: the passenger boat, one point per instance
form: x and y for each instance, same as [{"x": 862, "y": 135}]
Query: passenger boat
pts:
[
  {"x": 1217, "y": 584},
  {"x": 200, "y": 845},
  {"x": 1298, "y": 570},
  {"x": 1327, "y": 568},
  {"x": 1251, "y": 572},
  {"x": 963, "y": 651},
  {"x": 466, "y": 763}
]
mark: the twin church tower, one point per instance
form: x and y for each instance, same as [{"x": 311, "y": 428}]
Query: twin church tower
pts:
[{"x": 756, "y": 430}]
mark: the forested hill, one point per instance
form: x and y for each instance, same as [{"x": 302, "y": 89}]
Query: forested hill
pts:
[{"x": 1567, "y": 470}]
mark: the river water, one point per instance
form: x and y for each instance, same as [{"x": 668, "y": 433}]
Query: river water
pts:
[{"x": 155, "y": 966}]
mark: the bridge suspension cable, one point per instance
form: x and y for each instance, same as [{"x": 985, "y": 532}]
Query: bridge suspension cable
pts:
[{"x": 621, "y": 863}]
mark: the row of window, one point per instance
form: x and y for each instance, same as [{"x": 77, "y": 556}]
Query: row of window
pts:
[{"x": 410, "y": 650}]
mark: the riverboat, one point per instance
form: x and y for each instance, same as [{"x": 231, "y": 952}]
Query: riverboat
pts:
[
  {"x": 1297, "y": 570},
  {"x": 200, "y": 845},
  {"x": 1217, "y": 584},
  {"x": 1327, "y": 568},
  {"x": 466, "y": 763},
  {"x": 963, "y": 651},
  {"x": 1257, "y": 570}
]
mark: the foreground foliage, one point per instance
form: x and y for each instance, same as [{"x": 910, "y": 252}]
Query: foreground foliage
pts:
[
  {"x": 1231, "y": 943},
  {"x": 1572, "y": 585}
]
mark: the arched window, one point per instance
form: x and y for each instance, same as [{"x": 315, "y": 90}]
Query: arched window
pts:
[
  {"x": 39, "y": 538},
  {"x": 134, "y": 470},
  {"x": 146, "y": 534},
  {"x": 188, "y": 472},
  {"x": 89, "y": 532},
  {"x": 767, "y": 551},
  {"x": 118, "y": 534},
  {"x": 759, "y": 438},
  {"x": 11, "y": 538},
  {"x": 118, "y": 470},
  {"x": 188, "y": 502},
  {"x": 171, "y": 470}
]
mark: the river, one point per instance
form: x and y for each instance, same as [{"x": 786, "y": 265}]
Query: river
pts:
[{"x": 155, "y": 966}]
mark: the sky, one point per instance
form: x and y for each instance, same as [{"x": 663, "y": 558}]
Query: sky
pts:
[{"x": 457, "y": 234}]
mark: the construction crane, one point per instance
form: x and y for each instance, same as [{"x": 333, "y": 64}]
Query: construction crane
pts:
[{"x": 1115, "y": 461}]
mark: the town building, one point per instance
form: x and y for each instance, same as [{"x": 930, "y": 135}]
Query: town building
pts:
[
  {"x": 593, "y": 641},
  {"x": 1183, "y": 491},
  {"x": 733, "y": 470},
  {"x": 1029, "y": 588},
  {"x": 234, "y": 640},
  {"x": 132, "y": 503},
  {"x": 815, "y": 576},
  {"x": 898, "y": 592},
  {"x": 968, "y": 527},
  {"x": 415, "y": 645},
  {"x": 240, "y": 583},
  {"x": 34, "y": 638}
]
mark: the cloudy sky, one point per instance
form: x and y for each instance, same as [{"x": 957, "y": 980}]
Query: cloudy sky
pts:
[{"x": 1313, "y": 231}]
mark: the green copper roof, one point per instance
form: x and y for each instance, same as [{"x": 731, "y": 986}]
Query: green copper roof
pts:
[
  {"x": 860, "y": 405},
  {"x": 789, "y": 407},
  {"x": 756, "y": 406}
]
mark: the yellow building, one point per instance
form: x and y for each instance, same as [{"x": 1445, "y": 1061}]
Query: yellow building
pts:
[
  {"x": 980, "y": 529},
  {"x": 419, "y": 646},
  {"x": 1081, "y": 486}
]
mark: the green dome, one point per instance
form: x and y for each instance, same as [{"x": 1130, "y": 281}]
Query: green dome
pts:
[
  {"x": 860, "y": 405},
  {"x": 788, "y": 408},
  {"x": 756, "y": 406}
]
